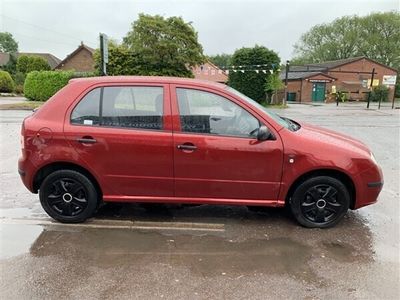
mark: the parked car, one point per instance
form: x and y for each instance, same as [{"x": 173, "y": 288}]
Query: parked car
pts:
[{"x": 174, "y": 140}]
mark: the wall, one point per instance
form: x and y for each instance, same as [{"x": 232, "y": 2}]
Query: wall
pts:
[
  {"x": 82, "y": 61},
  {"x": 363, "y": 65}
]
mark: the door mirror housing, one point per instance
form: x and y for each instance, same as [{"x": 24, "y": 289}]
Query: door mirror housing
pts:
[{"x": 264, "y": 134}]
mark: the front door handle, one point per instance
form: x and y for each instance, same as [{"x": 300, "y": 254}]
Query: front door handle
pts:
[
  {"x": 187, "y": 146},
  {"x": 87, "y": 140}
]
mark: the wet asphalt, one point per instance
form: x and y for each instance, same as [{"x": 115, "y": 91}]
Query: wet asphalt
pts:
[{"x": 205, "y": 252}]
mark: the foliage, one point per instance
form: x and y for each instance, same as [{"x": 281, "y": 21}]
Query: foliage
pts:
[
  {"x": 6, "y": 82},
  {"x": 272, "y": 85},
  {"x": 7, "y": 43},
  {"x": 19, "y": 79},
  {"x": 26, "y": 64},
  {"x": 342, "y": 96},
  {"x": 221, "y": 60},
  {"x": 380, "y": 92},
  {"x": 163, "y": 46},
  {"x": 397, "y": 88},
  {"x": 252, "y": 84},
  {"x": 376, "y": 36},
  {"x": 11, "y": 65},
  {"x": 120, "y": 60},
  {"x": 41, "y": 85}
]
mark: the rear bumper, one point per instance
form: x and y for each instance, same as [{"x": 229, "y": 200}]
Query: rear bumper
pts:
[{"x": 26, "y": 170}]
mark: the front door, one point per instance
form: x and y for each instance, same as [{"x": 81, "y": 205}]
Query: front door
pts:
[
  {"x": 121, "y": 133},
  {"x": 216, "y": 154},
  {"x": 318, "y": 91}
]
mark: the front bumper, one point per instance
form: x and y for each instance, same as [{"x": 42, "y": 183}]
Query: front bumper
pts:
[{"x": 369, "y": 184}]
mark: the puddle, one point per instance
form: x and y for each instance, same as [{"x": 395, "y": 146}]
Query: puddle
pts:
[{"x": 17, "y": 239}]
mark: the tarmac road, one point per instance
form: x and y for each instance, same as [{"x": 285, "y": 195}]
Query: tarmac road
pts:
[{"x": 205, "y": 252}]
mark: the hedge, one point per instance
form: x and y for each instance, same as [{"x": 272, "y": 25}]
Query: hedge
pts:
[
  {"x": 6, "y": 82},
  {"x": 41, "y": 85}
]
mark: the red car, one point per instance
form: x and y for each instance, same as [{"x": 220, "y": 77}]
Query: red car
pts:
[{"x": 174, "y": 140}]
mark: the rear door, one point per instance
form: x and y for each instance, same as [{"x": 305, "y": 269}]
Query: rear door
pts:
[
  {"x": 124, "y": 134},
  {"x": 216, "y": 154}
]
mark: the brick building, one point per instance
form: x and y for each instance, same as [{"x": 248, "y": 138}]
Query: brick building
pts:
[
  {"x": 209, "y": 71},
  {"x": 81, "y": 60},
  {"x": 316, "y": 82}
]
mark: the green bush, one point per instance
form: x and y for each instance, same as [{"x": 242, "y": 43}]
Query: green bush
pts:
[
  {"x": 380, "y": 92},
  {"x": 26, "y": 64},
  {"x": 41, "y": 85},
  {"x": 250, "y": 82},
  {"x": 19, "y": 79},
  {"x": 6, "y": 82}
]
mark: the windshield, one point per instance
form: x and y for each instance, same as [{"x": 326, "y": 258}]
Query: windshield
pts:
[{"x": 285, "y": 122}]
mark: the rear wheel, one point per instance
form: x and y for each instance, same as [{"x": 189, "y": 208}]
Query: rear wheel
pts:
[
  {"x": 68, "y": 196},
  {"x": 320, "y": 202}
]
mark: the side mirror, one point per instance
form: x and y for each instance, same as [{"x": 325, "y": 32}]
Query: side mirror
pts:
[{"x": 264, "y": 133}]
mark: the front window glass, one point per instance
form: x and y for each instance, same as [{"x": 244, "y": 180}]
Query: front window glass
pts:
[
  {"x": 204, "y": 112},
  {"x": 282, "y": 121}
]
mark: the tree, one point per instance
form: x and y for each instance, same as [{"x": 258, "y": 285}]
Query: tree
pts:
[
  {"x": 163, "y": 46},
  {"x": 7, "y": 43},
  {"x": 376, "y": 36},
  {"x": 26, "y": 64},
  {"x": 249, "y": 82},
  {"x": 121, "y": 61},
  {"x": 221, "y": 60},
  {"x": 273, "y": 85}
]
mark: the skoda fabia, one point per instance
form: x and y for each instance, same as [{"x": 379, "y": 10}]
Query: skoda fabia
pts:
[{"x": 184, "y": 141}]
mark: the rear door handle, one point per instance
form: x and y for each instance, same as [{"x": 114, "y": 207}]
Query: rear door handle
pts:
[
  {"x": 86, "y": 140},
  {"x": 187, "y": 146}
]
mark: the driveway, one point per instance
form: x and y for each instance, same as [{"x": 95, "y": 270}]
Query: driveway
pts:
[{"x": 203, "y": 252}]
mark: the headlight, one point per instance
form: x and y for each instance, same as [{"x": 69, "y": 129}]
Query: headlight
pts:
[{"x": 373, "y": 158}]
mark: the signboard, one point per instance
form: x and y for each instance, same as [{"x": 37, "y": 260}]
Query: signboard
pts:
[
  {"x": 374, "y": 83},
  {"x": 389, "y": 79},
  {"x": 320, "y": 80}
]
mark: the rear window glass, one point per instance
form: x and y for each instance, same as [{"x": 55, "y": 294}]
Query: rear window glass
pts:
[{"x": 87, "y": 110}]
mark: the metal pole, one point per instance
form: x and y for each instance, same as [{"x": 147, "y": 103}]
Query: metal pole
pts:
[
  {"x": 101, "y": 55},
  {"x": 370, "y": 86},
  {"x": 394, "y": 95},
  {"x": 286, "y": 83}
]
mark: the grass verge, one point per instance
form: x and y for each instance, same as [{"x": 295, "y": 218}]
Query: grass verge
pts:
[{"x": 27, "y": 105}]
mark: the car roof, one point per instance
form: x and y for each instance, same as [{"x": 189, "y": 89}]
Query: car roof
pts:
[{"x": 148, "y": 79}]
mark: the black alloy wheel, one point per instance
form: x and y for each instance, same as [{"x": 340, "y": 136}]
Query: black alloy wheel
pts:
[
  {"x": 320, "y": 202},
  {"x": 68, "y": 196}
]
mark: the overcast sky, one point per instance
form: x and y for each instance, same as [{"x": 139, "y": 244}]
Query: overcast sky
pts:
[{"x": 57, "y": 27}]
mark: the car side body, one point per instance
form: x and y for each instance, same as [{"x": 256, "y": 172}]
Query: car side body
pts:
[{"x": 175, "y": 163}]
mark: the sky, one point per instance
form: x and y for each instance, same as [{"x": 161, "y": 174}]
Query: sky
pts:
[{"x": 58, "y": 27}]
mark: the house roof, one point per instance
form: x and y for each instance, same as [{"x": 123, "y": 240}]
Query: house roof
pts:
[
  {"x": 52, "y": 60},
  {"x": 336, "y": 63},
  {"x": 303, "y": 74},
  {"x": 82, "y": 46}
]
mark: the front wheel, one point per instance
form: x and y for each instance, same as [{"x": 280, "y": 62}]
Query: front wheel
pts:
[
  {"x": 68, "y": 196},
  {"x": 320, "y": 202}
]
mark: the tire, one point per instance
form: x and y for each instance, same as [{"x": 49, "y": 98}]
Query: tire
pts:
[
  {"x": 320, "y": 202},
  {"x": 68, "y": 196}
]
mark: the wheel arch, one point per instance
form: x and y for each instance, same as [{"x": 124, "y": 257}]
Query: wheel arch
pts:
[
  {"x": 339, "y": 175},
  {"x": 46, "y": 170}
]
